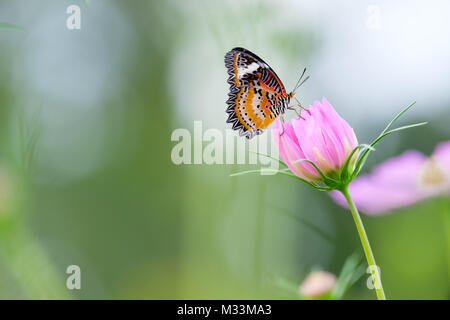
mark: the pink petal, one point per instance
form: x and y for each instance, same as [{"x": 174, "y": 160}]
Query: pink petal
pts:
[
  {"x": 401, "y": 170},
  {"x": 310, "y": 135},
  {"x": 290, "y": 151},
  {"x": 442, "y": 154},
  {"x": 392, "y": 184},
  {"x": 320, "y": 136}
]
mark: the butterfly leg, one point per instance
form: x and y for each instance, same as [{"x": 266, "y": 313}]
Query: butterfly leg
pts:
[
  {"x": 296, "y": 111},
  {"x": 282, "y": 123},
  {"x": 299, "y": 105}
]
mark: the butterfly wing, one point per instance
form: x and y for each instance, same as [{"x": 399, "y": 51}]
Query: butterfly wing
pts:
[{"x": 257, "y": 96}]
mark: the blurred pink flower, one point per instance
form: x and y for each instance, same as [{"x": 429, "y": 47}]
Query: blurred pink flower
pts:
[
  {"x": 319, "y": 135},
  {"x": 401, "y": 181},
  {"x": 317, "y": 284}
]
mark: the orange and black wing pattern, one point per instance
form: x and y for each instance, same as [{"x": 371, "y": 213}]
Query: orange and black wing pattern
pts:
[{"x": 257, "y": 96}]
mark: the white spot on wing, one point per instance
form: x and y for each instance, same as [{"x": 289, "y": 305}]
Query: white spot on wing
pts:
[
  {"x": 259, "y": 112},
  {"x": 249, "y": 69}
]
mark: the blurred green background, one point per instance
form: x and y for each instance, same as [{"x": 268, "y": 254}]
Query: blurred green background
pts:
[{"x": 86, "y": 175}]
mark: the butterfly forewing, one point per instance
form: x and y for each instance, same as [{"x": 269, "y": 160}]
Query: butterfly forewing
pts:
[{"x": 257, "y": 96}]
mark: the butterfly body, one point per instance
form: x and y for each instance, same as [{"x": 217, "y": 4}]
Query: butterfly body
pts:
[{"x": 257, "y": 96}]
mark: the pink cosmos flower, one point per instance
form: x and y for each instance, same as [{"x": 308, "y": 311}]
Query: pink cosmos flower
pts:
[
  {"x": 401, "y": 181},
  {"x": 319, "y": 135},
  {"x": 321, "y": 149}
]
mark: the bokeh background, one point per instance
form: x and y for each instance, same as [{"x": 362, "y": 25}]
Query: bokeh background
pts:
[{"x": 86, "y": 175}]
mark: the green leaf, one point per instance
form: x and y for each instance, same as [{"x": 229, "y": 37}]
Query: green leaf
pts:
[
  {"x": 351, "y": 271},
  {"x": 406, "y": 127},
  {"x": 397, "y": 116},
  {"x": 326, "y": 180},
  {"x": 362, "y": 160},
  {"x": 289, "y": 174},
  {"x": 344, "y": 173},
  {"x": 7, "y": 25},
  {"x": 270, "y": 157}
]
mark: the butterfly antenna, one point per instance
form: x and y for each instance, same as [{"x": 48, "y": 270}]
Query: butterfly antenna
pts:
[
  {"x": 300, "y": 79},
  {"x": 301, "y": 83}
]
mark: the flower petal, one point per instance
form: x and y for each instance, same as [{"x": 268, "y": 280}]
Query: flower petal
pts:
[
  {"x": 290, "y": 152},
  {"x": 442, "y": 154},
  {"x": 392, "y": 184},
  {"x": 320, "y": 135}
]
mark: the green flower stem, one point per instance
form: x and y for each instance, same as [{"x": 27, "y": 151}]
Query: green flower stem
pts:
[
  {"x": 445, "y": 211},
  {"x": 365, "y": 243}
]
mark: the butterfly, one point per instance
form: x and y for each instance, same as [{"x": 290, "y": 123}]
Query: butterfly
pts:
[{"x": 257, "y": 96}]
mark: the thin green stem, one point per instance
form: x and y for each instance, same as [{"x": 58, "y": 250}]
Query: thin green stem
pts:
[
  {"x": 366, "y": 245},
  {"x": 259, "y": 239},
  {"x": 446, "y": 224}
]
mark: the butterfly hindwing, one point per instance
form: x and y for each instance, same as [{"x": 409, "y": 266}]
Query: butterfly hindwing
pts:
[
  {"x": 251, "y": 110},
  {"x": 257, "y": 96}
]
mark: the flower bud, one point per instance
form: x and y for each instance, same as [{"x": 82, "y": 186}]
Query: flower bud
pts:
[
  {"x": 317, "y": 284},
  {"x": 321, "y": 136}
]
